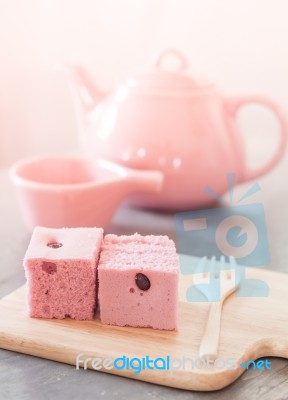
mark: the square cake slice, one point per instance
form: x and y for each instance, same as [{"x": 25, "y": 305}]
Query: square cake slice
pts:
[
  {"x": 138, "y": 281},
  {"x": 61, "y": 270}
]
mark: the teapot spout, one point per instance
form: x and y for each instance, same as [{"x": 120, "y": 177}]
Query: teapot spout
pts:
[{"x": 84, "y": 94}]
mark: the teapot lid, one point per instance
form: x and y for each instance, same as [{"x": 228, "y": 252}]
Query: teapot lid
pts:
[{"x": 160, "y": 80}]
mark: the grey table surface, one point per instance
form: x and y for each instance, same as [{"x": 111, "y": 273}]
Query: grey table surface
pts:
[{"x": 27, "y": 377}]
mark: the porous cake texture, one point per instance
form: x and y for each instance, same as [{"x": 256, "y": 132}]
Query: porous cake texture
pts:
[
  {"x": 61, "y": 270},
  {"x": 138, "y": 281}
]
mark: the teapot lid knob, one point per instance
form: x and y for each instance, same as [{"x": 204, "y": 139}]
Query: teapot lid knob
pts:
[
  {"x": 159, "y": 60},
  {"x": 166, "y": 74}
]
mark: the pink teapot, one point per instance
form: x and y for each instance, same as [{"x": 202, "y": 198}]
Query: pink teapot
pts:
[{"x": 163, "y": 119}]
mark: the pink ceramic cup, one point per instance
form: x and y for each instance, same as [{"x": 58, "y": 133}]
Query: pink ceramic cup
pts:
[{"x": 71, "y": 191}]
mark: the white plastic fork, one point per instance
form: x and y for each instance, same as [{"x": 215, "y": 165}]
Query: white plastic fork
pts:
[{"x": 210, "y": 340}]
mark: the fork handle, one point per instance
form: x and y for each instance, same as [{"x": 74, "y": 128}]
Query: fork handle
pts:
[{"x": 210, "y": 340}]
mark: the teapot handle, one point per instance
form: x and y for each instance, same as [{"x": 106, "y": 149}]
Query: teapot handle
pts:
[{"x": 235, "y": 104}]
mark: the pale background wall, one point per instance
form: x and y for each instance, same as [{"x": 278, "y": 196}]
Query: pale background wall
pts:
[{"x": 240, "y": 44}]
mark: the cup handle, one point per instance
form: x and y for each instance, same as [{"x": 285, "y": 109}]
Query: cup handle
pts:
[{"x": 235, "y": 104}]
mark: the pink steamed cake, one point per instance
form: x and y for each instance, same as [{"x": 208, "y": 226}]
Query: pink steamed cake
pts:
[
  {"x": 61, "y": 271},
  {"x": 138, "y": 281}
]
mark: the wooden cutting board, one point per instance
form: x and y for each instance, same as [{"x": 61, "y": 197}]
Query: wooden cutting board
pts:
[{"x": 251, "y": 328}]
